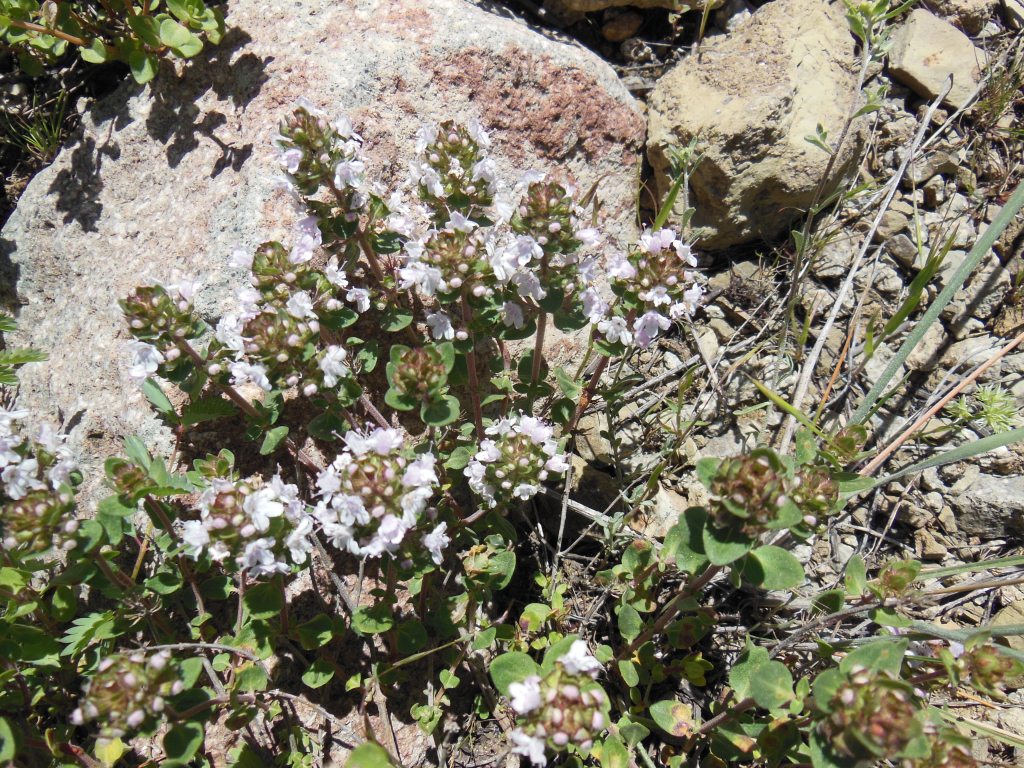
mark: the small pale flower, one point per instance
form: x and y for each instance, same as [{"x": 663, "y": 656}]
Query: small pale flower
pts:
[
  {"x": 512, "y": 315},
  {"x": 647, "y": 327},
  {"x": 615, "y": 330},
  {"x": 243, "y": 373},
  {"x": 146, "y": 359},
  {"x": 300, "y": 305},
  {"x": 440, "y": 326},
  {"x": 577, "y": 660},
  {"x": 262, "y": 505},
  {"x": 360, "y": 297},
  {"x": 436, "y": 541},
  {"x": 525, "y": 696},
  {"x": 532, "y": 747},
  {"x": 333, "y": 365}
]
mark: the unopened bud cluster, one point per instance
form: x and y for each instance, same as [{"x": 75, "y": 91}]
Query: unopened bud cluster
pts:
[
  {"x": 563, "y": 710},
  {"x": 872, "y": 715},
  {"x": 512, "y": 464},
  {"x": 419, "y": 374},
  {"x": 949, "y": 749},
  {"x": 262, "y": 530},
  {"x": 451, "y": 169},
  {"x": 986, "y": 668},
  {"x": 128, "y": 692},
  {"x": 37, "y": 512},
  {"x": 161, "y": 317},
  {"x": 754, "y": 493},
  {"x": 315, "y": 152},
  {"x": 373, "y": 497}
]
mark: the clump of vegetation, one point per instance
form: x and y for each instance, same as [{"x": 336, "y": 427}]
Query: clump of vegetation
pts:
[{"x": 398, "y": 423}]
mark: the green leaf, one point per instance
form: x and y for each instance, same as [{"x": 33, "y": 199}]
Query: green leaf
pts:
[
  {"x": 180, "y": 9},
  {"x": 724, "y": 546},
  {"x": 411, "y": 636},
  {"x": 316, "y": 632},
  {"x": 151, "y": 389},
  {"x": 142, "y": 65},
  {"x": 512, "y": 667},
  {"x": 673, "y": 717},
  {"x": 630, "y": 672},
  {"x": 879, "y": 655},
  {"x": 206, "y": 409},
  {"x": 856, "y": 576},
  {"x": 183, "y": 741},
  {"x": 373, "y": 621},
  {"x": 684, "y": 542},
  {"x": 109, "y": 751},
  {"x": 369, "y": 755},
  {"x": 440, "y": 413},
  {"x": 10, "y": 739},
  {"x": 272, "y": 439},
  {"x": 630, "y": 623},
  {"x": 318, "y": 675},
  {"x": 612, "y": 753},
  {"x": 172, "y": 34},
  {"x": 395, "y": 319},
  {"x": 822, "y": 755},
  {"x": 771, "y": 685},
  {"x": 146, "y": 27},
  {"x": 251, "y": 677},
  {"x": 569, "y": 386},
  {"x": 773, "y": 567},
  {"x": 21, "y": 356},
  {"x": 263, "y": 601}
]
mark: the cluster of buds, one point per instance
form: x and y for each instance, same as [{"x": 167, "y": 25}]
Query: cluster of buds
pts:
[
  {"x": 656, "y": 280},
  {"x": 262, "y": 530},
  {"x": 750, "y": 493},
  {"x": 895, "y": 579},
  {"x": 949, "y": 749},
  {"x": 871, "y": 715},
  {"x": 315, "y": 152},
  {"x": 160, "y": 316},
  {"x": 128, "y": 693},
  {"x": 372, "y": 496},
  {"x": 815, "y": 492},
  {"x": 418, "y": 376},
  {"x": 36, "y": 494},
  {"x": 986, "y": 668},
  {"x": 513, "y": 463},
  {"x": 566, "y": 709},
  {"x": 451, "y": 169}
]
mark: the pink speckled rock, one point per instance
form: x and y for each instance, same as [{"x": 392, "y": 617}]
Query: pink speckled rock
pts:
[{"x": 177, "y": 175}]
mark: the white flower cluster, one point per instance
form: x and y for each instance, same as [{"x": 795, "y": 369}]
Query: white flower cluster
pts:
[
  {"x": 166, "y": 318},
  {"x": 312, "y": 149},
  {"x": 127, "y": 691},
  {"x": 562, "y": 709},
  {"x": 372, "y": 497},
  {"x": 521, "y": 454},
  {"x": 20, "y": 466},
  {"x": 265, "y": 530},
  {"x": 658, "y": 275},
  {"x": 37, "y": 500}
]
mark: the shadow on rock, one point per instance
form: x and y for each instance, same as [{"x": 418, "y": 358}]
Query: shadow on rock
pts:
[
  {"x": 177, "y": 122},
  {"x": 78, "y": 186},
  {"x": 9, "y": 273}
]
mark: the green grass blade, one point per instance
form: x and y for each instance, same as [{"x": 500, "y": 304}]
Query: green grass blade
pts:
[
  {"x": 966, "y": 451},
  {"x": 977, "y": 253}
]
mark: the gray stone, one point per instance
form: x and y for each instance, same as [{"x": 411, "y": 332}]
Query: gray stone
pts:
[
  {"x": 906, "y": 254},
  {"x": 969, "y": 15},
  {"x": 983, "y": 295},
  {"x": 178, "y": 174},
  {"x": 752, "y": 97},
  {"x": 927, "y": 50},
  {"x": 928, "y": 166},
  {"x": 989, "y": 507},
  {"x": 925, "y": 356}
]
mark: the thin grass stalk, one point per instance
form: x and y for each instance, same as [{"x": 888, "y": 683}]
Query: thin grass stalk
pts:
[{"x": 980, "y": 249}]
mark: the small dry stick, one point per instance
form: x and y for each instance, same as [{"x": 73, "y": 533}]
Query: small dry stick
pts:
[{"x": 927, "y": 415}]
